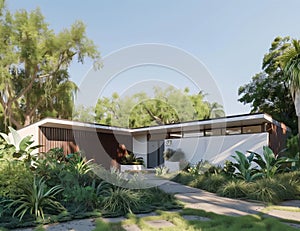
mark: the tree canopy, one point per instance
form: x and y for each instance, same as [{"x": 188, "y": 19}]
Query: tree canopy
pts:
[
  {"x": 167, "y": 106},
  {"x": 34, "y": 62},
  {"x": 268, "y": 91}
]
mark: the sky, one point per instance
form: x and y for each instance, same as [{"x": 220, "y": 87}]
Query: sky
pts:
[{"x": 229, "y": 37}]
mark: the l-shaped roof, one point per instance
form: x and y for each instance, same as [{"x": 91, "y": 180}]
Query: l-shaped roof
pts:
[{"x": 223, "y": 122}]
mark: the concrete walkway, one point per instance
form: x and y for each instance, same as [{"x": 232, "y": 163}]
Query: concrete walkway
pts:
[{"x": 210, "y": 202}]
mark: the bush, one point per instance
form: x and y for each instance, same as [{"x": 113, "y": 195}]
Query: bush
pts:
[
  {"x": 213, "y": 182},
  {"x": 267, "y": 190},
  {"x": 12, "y": 174},
  {"x": 120, "y": 201},
  {"x": 234, "y": 189},
  {"x": 183, "y": 178},
  {"x": 35, "y": 199}
]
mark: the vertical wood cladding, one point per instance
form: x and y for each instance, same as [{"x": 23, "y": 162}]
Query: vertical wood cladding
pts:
[
  {"x": 99, "y": 146},
  {"x": 277, "y": 137}
]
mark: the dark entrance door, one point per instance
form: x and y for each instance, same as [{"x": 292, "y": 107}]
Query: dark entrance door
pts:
[{"x": 155, "y": 153}]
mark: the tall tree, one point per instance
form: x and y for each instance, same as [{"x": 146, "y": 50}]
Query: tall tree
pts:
[
  {"x": 34, "y": 62},
  {"x": 290, "y": 61},
  {"x": 167, "y": 106},
  {"x": 268, "y": 90}
]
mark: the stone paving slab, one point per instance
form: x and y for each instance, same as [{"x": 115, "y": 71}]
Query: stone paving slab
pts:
[
  {"x": 131, "y": 227},
  {"x": 195, "y": 218},
  {"x": 160, "y": 223},
  {"x": 288, "y": 215},
  {"x": 219, "y": 205}
]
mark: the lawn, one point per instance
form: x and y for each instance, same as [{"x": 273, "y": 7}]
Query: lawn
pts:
[{"x": 214, "y": 222}]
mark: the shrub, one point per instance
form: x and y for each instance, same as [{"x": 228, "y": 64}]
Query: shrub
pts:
[
  {"x": 267, "y": 190},
  {"x": 183, "y": 178},
  {"x": 200, "y": 168},
  {"x": 120, "y": 201},
  {"x": 81, "y": 199},
  {"x": 244, "y": 168},
  {"x": 35, "y": 199},
  {"x": 234, "y": 189},
  {"x": 161, "y": 170},
  {"x": 213, "y": 182},
  {"x": 290, "y": 182},
  {"x": 12, "y": 174}
]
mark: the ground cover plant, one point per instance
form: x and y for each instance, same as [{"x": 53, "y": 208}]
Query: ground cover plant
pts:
[
  {"x": 266, "y": 178},
  {"x": 60, "y": 187}
]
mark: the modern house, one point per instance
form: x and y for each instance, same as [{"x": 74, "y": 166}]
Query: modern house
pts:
[{"x": 212, "y": 139}]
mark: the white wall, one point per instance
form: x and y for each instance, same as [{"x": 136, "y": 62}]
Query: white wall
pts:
[
  {"x": 139, "y": 146},
  {"x": 217, "y": 149}
]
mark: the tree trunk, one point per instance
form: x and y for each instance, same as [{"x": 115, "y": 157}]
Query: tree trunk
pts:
[{"x": 27, "y": 120}]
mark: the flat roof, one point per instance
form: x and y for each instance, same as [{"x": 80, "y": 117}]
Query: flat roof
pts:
[{"x": 223, "y": 122}]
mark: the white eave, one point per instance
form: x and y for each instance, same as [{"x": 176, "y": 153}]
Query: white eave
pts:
[{"x": 231, "y": 121}]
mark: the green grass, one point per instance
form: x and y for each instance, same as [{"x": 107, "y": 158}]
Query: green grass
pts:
[{"x": 217, "y": 222}]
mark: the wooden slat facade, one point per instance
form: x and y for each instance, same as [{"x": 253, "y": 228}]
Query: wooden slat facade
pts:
[{"x": 99, "y": 146}]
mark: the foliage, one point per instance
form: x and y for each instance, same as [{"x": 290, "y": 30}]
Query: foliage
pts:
[
  {"x": 84, "y": 114},
  {"x": 214, "y": 222},
  {"x": 268, "y": 90},
  {"x": 34, "y": 80},
  {"x": 290, "y": 61},
  {"x": 270, "y": 164},
  {"x": 36, "y": 198},
  {"x": 267, "y": 190},
  {"x": 12, "y": 174},
  {"x": 120, "y": 201},
  {"x": 161, "y": 170},
  {"x": 244, "y": 167},
  {"x": 200, "y": 168},
  {"x": 167, "y": 106},
  {"x": 234, "y": 189},
  {"x": 292, "y": 147},
  {"x": 19, "y": 148},
  {"x": 131, "y": 159},
  {"x": 213, "y": 182},
  {"x": 228, "y": 168},
  {"x": 174, "y": 155}
]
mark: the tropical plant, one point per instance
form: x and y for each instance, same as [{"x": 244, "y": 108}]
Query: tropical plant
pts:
[
  {"x": 291, "y": 62},
  {"x": 228, "y": 168},
  {"x": 244, "y": 167},
  {"x": 161, "y": 170},
  {"x": 271, "y": 163},
  {"x": 200, "y": 168},
  {"x": 36, "y": 198},
  {"x": 19, "y": 148},
  {"x": 130, "y": 159}
]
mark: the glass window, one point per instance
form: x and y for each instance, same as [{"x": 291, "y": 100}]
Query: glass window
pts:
[
  {"x": 193, "y": 134},
  {"x": 252, "y": 129},
  {"x": 233, "y": 131},
  {"x": 213, "y": 132}
]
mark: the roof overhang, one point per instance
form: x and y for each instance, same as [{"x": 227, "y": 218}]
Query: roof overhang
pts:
[{"x": 230, "y": 121}]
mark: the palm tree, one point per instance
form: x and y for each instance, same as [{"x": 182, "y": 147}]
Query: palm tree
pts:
[{"x": 290, "y": 62}]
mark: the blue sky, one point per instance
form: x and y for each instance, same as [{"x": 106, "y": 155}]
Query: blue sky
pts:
[{"x": 228, "y": 37}]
